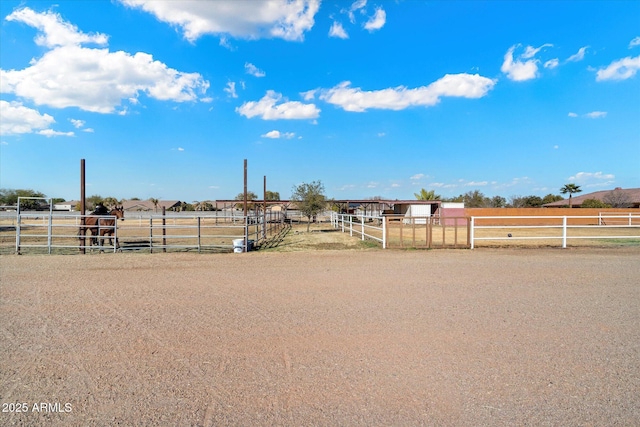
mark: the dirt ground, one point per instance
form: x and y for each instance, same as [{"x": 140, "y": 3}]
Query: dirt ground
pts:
[{"x": 332, "y": 337}]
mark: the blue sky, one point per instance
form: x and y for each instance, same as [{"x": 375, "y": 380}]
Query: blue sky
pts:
[{"x": 373, "y": 98}]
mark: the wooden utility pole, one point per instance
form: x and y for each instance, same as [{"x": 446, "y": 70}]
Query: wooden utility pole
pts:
[
  {"x": 246, "y": 219},
  {"x": 245, "y": 188}
]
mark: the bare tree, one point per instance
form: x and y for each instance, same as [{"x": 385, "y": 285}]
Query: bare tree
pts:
[{"x": 617, "y": 199}]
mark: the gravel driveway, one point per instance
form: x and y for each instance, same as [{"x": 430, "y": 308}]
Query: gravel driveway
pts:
[{"x": 357, "y": 337}]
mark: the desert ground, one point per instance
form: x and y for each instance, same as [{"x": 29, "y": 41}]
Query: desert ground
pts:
[{"x": 346, "y": 335}]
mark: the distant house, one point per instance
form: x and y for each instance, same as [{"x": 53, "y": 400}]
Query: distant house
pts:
[
  {"x": 630, "y": 197},
  {"x": 147, "y": 206},
  {"x": 66, "y": 206}
]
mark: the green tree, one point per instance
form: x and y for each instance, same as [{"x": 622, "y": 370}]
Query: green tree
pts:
[
  {"x": 250, "y": 196},
  {"x": 427, "y": 195},
  {"x": 93, "y": 200},
  {"x": 532, "y": 202},
  {"x": 550, "y": 198},
  {"x": 570, "y": 188},
  {"x": 594, "y": 203},
  {"x": 110, "y": 202},
  {"x": 498, "y": 202},
  {"x": 9, "y": 197},
  {"x": 273, "y": 195},
  {"x": 309, "y": 199},
  {"x": 475, "y": 199}
]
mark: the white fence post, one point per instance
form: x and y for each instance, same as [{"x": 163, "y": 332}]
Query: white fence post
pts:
[
  {"x": 362, "y": 225},
  {"x": 564, "y": 232},
  {"x": 384, "y": 232},
  {"x": 471, "y": 231}
]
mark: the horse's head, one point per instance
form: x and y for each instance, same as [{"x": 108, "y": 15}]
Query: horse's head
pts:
[{"x": 118, "y": 212}]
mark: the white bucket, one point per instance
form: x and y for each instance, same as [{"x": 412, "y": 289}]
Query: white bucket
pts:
[{"x": 238, "y": 246}]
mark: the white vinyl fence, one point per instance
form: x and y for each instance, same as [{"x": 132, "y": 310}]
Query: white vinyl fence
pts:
[
  {"x": 366, "y": 226},
  {"x": 554, "y": 230}
]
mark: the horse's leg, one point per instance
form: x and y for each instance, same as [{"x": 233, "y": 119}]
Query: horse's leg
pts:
[{"x": 93, "y": 241}]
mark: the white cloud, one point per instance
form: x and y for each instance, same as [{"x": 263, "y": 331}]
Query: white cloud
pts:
[
  {"x": 417, "y": 176},
  {"x": 579, "y": 56},
  {"x": 54, "y": 31},
  {"x": 267, "y": 109},
  {"x": 377, "y": 21},
  {"x": 231, "y": 89},
  {"x": 592, "y": 179},
  {"x": 18, "y": 119},
  {"x": 399, "y": 98},
  {"x": 50, "y": 132},
  {"x": 572, "y": 114},
  {"x": 635, "y": 42},
  {"x": 97, "y": 80},
  {"x": 275, "y": 134},
  {"x": 621, "y": 69},
  {"x": 337, "y": 30},
  {"x": 308, "y": 95},
  {"x": 253, "y": 70},
  {"x": 284, "y": 19},
  {"x": 596, "y": 114},
  {"x": 552, "y": 63},
  {"x": 77, "y": 123},
  {"x": 519, "y": 70},
  {"x": 355, "y": 6},
  {"x": 530, "y": 51}
]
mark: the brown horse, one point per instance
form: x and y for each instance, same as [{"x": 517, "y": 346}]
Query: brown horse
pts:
[{"x": 103, "y": 226}]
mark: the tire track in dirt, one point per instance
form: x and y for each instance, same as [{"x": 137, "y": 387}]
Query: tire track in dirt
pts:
[
  {"x": 36, "y": 311},
  {"x": 281, "y": 355},
  {"x": 196, "y": 373}
]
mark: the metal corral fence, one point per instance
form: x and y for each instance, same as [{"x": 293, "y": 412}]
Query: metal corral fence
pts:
[
  {"x": 608, "y": 228},
  {"x": 399, "y": 231},
  {"x": 58, "y": 232}
]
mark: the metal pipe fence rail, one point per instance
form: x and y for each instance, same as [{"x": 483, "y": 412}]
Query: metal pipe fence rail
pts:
[
  {"x": 48, "y": 232},
  {"x": 555, "y": 230},
  {"x": 35, "y": 231}
]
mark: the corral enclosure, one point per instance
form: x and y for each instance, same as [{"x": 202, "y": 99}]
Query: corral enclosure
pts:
[{"x": 217, "y": 231}]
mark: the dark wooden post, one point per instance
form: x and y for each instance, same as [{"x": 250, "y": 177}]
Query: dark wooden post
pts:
[
  {"x": 82, "y": 208},
  {"x": 264, "y": 210}
]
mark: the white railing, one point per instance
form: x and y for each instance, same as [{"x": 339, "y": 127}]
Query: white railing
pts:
[
  {"x": 361, "y": 225},
  {"x": 618, "y": 218},
  {"x": 556, "y": 229}
]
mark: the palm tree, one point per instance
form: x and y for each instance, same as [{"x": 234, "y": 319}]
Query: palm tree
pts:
[
  {"x": 427, "y": 195},
  {"x": 155, "y": 203},
  {"x": 570, "y": 188}
]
